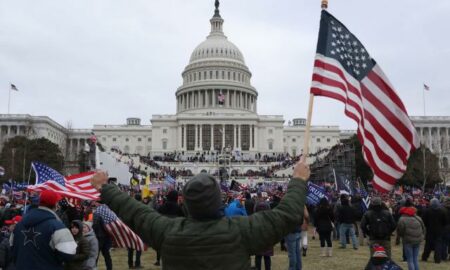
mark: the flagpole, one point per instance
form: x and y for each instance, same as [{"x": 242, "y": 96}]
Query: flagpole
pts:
[
  {"x": 9, "y": 99},
  {"x": 324, "y": 5},
  {"x": 424, "y": 145}
]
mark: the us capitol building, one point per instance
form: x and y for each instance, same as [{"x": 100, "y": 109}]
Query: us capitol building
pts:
[{"x": 217, "y": 108}]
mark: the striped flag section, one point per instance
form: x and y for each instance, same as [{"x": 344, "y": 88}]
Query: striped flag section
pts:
[
  {"x": 343, "y": 70},
  {"x": 76, "y": 186},
  {"x": 122, "y": 235}
]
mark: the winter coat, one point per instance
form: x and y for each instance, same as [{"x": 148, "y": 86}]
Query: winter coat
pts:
[
  {"x": 346, "y": 214},
  {"x": 91, "y": 262},
  {"x": 171, "y": 209},
  {"x": 219, "y": 244},
  {"x": 306, "y": 219},
  {"x": 264, "y": 206},
  {"x": 373, "y": 213},
  {"x": 235, "y": 208},
  {"x": 410, "y": 227},
  {"x": 5, "y": 253},
  {"x": 83, "y": 251},
  {"x": 323, "y": 220},
  {"x": 435, "y": 220},
  {"x": 42, "y": 242}
]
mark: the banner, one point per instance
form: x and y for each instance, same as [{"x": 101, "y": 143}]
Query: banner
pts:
[{"x": 315, "y": 193}]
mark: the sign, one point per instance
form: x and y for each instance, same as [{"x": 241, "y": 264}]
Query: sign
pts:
[{"x": 315, "y": 193}]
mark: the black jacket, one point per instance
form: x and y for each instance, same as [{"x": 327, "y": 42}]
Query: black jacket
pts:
[
  {"x": 346, "y": 214},
  {"x": 435, "y": 220},
  {"x": 323, "y": 219},
  {"x": 374, "y": 212}
]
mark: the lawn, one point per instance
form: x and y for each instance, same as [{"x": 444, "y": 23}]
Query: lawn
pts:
[{"x": 348, "y": 259}]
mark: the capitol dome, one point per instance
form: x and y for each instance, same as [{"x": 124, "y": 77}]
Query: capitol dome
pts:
[
  {"x": 217, "y": 46},
  {"x": 216, "y": 76}
]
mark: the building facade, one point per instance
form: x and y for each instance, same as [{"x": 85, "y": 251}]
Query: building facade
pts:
[{"x": 216, "y": 109}]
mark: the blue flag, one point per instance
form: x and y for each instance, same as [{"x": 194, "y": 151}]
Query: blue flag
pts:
[
  {"x": 343, "y": 184},
  {"x": 169, "y": 180},
  {"x": 315, "y": 193}
]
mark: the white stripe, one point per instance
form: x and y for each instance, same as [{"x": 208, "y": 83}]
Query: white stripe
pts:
[
  {"x": 370, "y": 147},
  {"x": 382, "y": 183}
]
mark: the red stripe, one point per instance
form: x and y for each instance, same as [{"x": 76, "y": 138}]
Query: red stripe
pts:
[
  {"x": 385, "y": 135},
  {"x": 381, "y": 107},
  {"x": 381, "y": 131},
  {"x": 378, "y": 81}
]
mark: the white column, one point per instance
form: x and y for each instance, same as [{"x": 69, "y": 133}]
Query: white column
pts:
[
  {"x": 179, "y": 137},
  {"x": 239, "y": 136},
  {"x": 213, "y": 97},
  {"x": 234, "y": 137},
  {"x": 227, "y": 101},
  {"x": 212, "y": 137},
  {"x": 438, "y": 135},
  {"x": 8, "y": 131},
  {"x": 256, "y": 137},
  {"x": 184, "y": 138},
  {"x": 201, "y": 137},
  {"x": 223, "y": 136},
  {"x": 251, "y": 138},
  {"x": 430, "y": 140},
  {"x": 195, "y": 137},
  {"x": 447, "y": 138}
]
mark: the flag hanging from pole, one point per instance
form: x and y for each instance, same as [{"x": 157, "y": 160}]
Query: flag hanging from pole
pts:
[
  {"x": 13, "y": 87},
  {"x": 426, "y": 87},
  {"x": 344, "y": 70},
  {"x": 76, "y": 186}
]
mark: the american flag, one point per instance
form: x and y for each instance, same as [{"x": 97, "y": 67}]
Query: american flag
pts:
[
  {"x": 344, "y": 70},
  {"x": 221, "y": 98},
  {"x": 76, "y": 186},
  {"x": 426, "y": 87},
  {"x": 13, "y": 87},
  {"x": 123, "y": 236}
]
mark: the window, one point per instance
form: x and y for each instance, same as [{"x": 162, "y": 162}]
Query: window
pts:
[
  {"x": 210, "y": 74},
  {"x": 328, "y": 140},
  {"x": 294, "y": 140},
  {"x": 139, "y": 139},
  {"x": 114, "y": 139},
  {"x": 164, "y": 145},
  {"x": 164, "y": 131},
  {"x": 199, "y": 76},
  {"x": 270, "y": 145},
  {"x": 217, "y": 74},
  {"x": 270, "y": 131},
  {"x": 318, "y": 140},
  {"x": 190, "y": 136},
  {"x": 149, "y": 139},
  {"x": 127, "y": 140}
]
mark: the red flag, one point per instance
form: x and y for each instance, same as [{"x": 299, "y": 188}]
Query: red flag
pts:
[{"x": 344, "y": 70}]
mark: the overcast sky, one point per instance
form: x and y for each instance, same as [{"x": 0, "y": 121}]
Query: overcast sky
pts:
[{"x": 99, "y": 62}]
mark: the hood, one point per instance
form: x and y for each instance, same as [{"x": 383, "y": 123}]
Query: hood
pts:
[
  {"x": 38, "y": 215},
  {"x": 202, "y": 197},
  {"x": 90, "y": 234},
  {"x": 434, "y": 203},
  {"x": 408, "y": 211}
]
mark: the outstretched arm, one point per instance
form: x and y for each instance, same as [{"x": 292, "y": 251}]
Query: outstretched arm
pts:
[
  {"x": 264, "y": 229},
  {"x": 143, "y": 220}
]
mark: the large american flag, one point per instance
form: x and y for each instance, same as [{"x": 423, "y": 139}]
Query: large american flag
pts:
[
  {"x": 344, "y": 70},
  {"x": 76, "y": 186},
  {"x": 122, "y": 235}
]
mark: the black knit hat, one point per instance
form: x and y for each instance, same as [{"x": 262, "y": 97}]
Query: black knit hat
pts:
[{"x": 202, "y": 197}]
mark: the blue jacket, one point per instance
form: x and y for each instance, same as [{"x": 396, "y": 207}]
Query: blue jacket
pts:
[
  {"x": 41, "y": 241},
  {"x": 235, "y": 208}
]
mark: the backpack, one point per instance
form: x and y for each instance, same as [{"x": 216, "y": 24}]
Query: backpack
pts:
[{"x": 379, "y": 225}]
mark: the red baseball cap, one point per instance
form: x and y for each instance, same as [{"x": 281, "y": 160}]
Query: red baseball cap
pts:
[{"x": 49, "y": 198}]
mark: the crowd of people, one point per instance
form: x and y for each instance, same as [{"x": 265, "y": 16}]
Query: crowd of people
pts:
[{"x": 75, "y": 232}]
